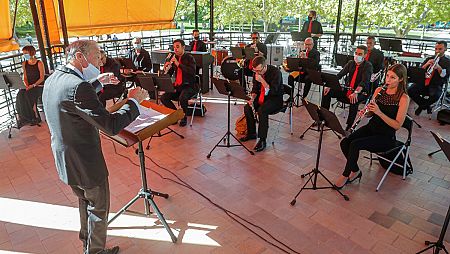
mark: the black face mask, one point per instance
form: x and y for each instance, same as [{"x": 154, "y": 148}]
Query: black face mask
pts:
[
  {"x": 197, "y": 37},
  {"x": 309, "y": 18}
]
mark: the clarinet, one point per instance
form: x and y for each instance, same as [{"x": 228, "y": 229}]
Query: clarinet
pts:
[{"x": 366, "y": 111}]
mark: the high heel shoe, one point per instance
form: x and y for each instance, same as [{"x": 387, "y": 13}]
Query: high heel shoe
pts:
[{"x": 359, "y": 176}]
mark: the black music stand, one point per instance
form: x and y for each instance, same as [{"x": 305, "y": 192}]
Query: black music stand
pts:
[
  {"x": 229, "y": 89},
  {"x": 303, "y": 64},
  {"x": 127, "y": 63},
  {"x": 439, "y": 245},
  {"x": 312, "y": 111},
  {"x": 342, "y": 60},
  {"x": 163, "y": 83},
  {"x": 241, "y": 53},
  {"x": 147, "y": 82},
  {"x": 390, "y": 45},
  {"x": 329, "y": 119},
  {"x": 300, "y": 36},
  {"x": 416, "y": 75},
  {"x": 271, "y": 39},
  {"x": 8, "y": 81},
  {"x": 249, "y": 53}
]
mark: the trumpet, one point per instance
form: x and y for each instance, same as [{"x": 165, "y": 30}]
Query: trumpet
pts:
[
  {"x": 366, "y": 112},
  {"x": 431, "y": 67}
]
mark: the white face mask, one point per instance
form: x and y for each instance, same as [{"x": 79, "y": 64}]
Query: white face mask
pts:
[
  {"x": 137, "y": 46},
  {"x": 26, "y": 56},
  {"x": 90, "y": 72},
  {"x": 358, "y": 59}
]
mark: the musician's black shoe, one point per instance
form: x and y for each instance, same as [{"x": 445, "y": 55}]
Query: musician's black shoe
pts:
[
  {"x": 113, "y": 250},
  {"x": 183, "y": 122},
  {"x": 429, "y": 110},
  {"x": 260, "y": 146},
  {"x": 248, "y": 137},
  {"x": 418, "y": 111}
]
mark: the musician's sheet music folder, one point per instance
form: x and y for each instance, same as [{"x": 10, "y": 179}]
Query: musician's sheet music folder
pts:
[{"x": 153, "y": 119}]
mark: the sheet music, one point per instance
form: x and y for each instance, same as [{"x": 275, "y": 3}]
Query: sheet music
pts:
[{"x": 146, "y": 118}]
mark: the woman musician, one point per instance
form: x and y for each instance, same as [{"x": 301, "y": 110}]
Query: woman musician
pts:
[{"x": 389, "y": 108}]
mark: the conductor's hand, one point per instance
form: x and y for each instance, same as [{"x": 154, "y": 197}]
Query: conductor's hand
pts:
[
  {"x": 108, "y": 78},
  {"x": 138, "y": 94},
  {"x": 326, "y": 90}
]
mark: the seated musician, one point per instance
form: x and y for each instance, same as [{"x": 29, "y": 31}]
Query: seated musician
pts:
[
  {"x": 357, "y": 84},
  {"x": 197, "y": 44},
  {"x": 389, "y": 111},
  {"x": 182, "y": 66},
  {"x": 260, "y": 50},
  {"x": 313, "y": 27},
  {"x": 108, "y": 64},
  {"x": 376, "y": 58},
  {"x": 140, "y": 57},
  {"x": 434, "y": 84},
  {"x": 266, "y": 98},
  {"x": 314, "y": 56}
]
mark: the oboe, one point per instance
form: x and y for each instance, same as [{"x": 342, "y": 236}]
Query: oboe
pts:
[
  {"x": 167, "y": 63},
  {"x": 366, "y": 111}
]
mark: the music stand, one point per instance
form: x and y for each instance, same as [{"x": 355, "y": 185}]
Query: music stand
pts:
[
  {"x": 237, "y": 52},
  {"x": 249, "y": 53},
  {"x": 271, "y": 39},
  {"x": 342, "y": 60},
  {"x": 143, "y": 127},
  {"x": 439, "y": 245},
  {"x": 229, "y": 89},
  {"x": 8, "y": 81},
  {"x": 331, "y": 81},
  {"x": 329, "y": 119},
  {"x": 163, "y": 83},
  {"x": 390, "y": 45},
  {"x": 416, "y": 75},
  {"x": 312, "y": 111},
  {"x": 299, "y": 36},
  {"x": 127, "y": 63}
]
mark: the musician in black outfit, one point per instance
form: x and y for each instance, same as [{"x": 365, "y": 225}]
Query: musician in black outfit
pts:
[
  {"x": 311, "y": 54},
  {"x": 266, "y": 98},
  {"x": 313, "y": 27},
  {"x": 389, "y": 112},
  {"x": 433, "y": 85},
  {"x": 357, "y": 84},
  {"x": 110, "y": 91},
  {"x": 182, "y": 66},
  {"x": 376, "y": 58},
  {"x": 197, "y": 44},
  {"x": 140, "y": 57}
]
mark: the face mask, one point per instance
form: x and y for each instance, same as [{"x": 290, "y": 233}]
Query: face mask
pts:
[
  {"x": 197, "y": 37},
  {"x": 90, "y": 72},
  {"x": 358, "y": 59},
  {"x": 137, "y": 46},
  {"x": 26, "y": 56}
]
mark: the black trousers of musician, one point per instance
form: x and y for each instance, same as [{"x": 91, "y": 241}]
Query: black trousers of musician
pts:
[
  {"x": 110, "y": 92},
  {"x": 341, "y": 95},
  {"x": 93, "y": 205},
  {"x": 269, "y": 107},
  {"x": 417, "y": 92},
  {"x": 365, "y": 138},
  {"x": 25, "y": 103},
  {"x": 302, "y": 79},
  {"x": 183, "y": 95}
]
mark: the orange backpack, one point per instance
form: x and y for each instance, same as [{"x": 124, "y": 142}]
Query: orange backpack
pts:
[{"x": 241, "y": 125}]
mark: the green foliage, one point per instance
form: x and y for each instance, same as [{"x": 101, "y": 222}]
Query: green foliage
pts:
[{"x": 23, "y": 17}]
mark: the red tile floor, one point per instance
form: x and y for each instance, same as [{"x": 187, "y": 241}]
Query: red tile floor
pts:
[{"x": 38, "y": 213}]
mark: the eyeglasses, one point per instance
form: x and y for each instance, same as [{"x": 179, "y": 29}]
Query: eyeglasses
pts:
[
  {"x": 254, "y": 38},
  {"x": 308, "y": 44}
]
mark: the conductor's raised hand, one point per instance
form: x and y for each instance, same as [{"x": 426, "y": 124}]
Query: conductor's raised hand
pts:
[
  {"x": 108, "y": 78},
  {"x": 138, "y": 94}
]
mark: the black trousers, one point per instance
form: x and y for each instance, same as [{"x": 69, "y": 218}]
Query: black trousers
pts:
[
  {"x": 341, "y": 95},
  {"x": 110, "y": 92},
  {"x": 269, "y": 107},
  {"x": 93, "y": 205},
  {"x": 183, "y": 95},
  {"x": 417, "y": 92},
  {"x": 364, "y": 138},
  {"x": 303, "y": 79}
]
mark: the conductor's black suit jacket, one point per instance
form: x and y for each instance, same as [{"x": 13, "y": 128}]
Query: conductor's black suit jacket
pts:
[{"x": 74, "y": 116}]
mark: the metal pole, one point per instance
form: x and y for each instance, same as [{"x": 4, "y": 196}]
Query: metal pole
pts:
[
  {"x": 37, "y": 29},
  {"x": 355, "y": 22},
  {"x": 196, "y": 13},
  {"x": 47, "y": 37},
  {"x": 211, "y": 20},
  {"x": 336, "y": 34},
  {"x": 62, "y": 17}
]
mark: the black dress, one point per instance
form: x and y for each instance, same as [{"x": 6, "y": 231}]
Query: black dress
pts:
[{"x": 25, "y": 100}]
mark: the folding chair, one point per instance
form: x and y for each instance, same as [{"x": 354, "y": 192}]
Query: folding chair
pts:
[
  {"x": 287, "y": 104},
  {"x": 198, "y": 99},
  {"x": 402, "y": 148}
]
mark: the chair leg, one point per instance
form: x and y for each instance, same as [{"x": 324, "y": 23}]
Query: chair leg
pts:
[
  {"x": 290, "y": 121},
  {"x": 193, "y": 111},
  {"x": 371, "y": 159},
  {"x": 405, "y": 163},
  {"x": 201, "y": 104},
  {"x": 389, "y": 168}
]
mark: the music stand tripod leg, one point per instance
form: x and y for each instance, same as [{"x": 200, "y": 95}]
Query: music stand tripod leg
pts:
[
  {"x": 439, "y": 245},
  {"x": 147, "y": 195},
  {"x": 432, "y": 153}
]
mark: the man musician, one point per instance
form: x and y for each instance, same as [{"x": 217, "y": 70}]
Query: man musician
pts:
[
  {"x": 197, "y": 44},
  {"x": 266, "y": 99},
  {"x": 311, "y": 54},
  {"x": 357, "y": 83},
  {"x": 438, "y": 67},
  {"x": 140, "y": 57},
  {"x": 313, "y": 27},
  {"x": 182, "y": 66},
  {"x": 376, "y": 58}
]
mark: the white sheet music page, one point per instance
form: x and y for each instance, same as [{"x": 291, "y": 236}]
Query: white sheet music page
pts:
[{"x": 146, "y": 118}]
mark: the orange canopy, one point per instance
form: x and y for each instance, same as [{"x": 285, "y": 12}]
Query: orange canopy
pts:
[{"x": 7, "y": 43}]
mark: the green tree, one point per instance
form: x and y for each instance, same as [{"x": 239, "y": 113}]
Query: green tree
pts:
[{"x": 23, "y": 17}]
